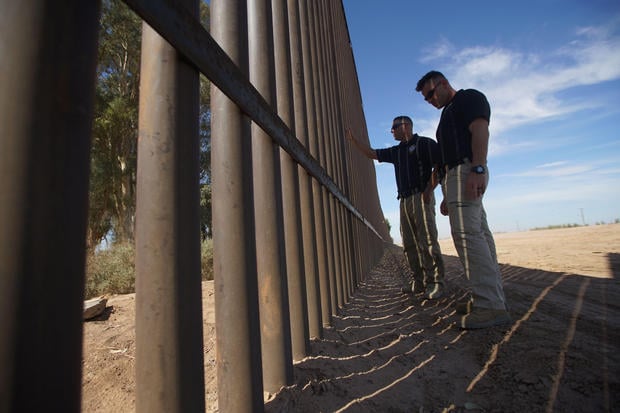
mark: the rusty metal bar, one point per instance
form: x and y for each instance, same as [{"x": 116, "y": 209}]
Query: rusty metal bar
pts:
[
  {"x": 325, "y": 159},
  {"x": 356, "y": 244},
  {"x": 337, "y": 84},
  {"x": 329, "y": 158},
  {"x": 332, "y": 256},
  {"x": 309, "y": 232},
  {"x": 336, "y": 41},
  {"x": 290, "y": 188},
  {"x": 326, "y": 285},
  {"x": 336, "y": 136},
  {"x": 239, "y": 369},
  {"x": 272, "y": 279},
  {"x": 346, "y": 273},
  {"x": 328, "y": 200},
  {"x": 310, "y": 86},
  {"x": 169, "y": 351},
  {"x": 48, "y": 54}
]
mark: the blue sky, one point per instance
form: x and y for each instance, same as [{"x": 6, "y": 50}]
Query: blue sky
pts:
[{"x": 551, "y": 71}]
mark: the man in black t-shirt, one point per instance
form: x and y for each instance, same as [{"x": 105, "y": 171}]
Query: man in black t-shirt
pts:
[
  {"x": 413, "y": 159},
  {"x": 463, "y": 137}
]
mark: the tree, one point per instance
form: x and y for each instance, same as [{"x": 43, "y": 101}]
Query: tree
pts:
[
  {"x": 113, "y": 156},
  {"x": 206, "y": 228},
  {"x": 115, "y": 128}
]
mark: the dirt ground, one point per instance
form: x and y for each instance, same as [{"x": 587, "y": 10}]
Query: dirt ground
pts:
[{"x": 391, "y": 352}]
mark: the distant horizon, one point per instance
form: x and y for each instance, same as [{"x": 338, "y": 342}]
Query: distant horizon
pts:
[{"x": 550, "y": 227}]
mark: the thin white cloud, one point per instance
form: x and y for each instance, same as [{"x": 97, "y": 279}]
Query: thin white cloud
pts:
[
  {"x": 611, "y": 144},
  {"x": 524, "y": 88},
  {"x": 486, "y": 62},
  {"x": 552, "y": 164},
  {"x": 558, "y": 172},
  {"x": 440, "y": 49},
  {"x": 554, "y": 191},
  {"x": 609, "y": 171},
  {"x": 578, "y": 173},
  {"x": 500, "y": 145}
]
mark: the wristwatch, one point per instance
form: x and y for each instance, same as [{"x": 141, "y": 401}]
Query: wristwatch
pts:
[{"x": 479, "y": 169}]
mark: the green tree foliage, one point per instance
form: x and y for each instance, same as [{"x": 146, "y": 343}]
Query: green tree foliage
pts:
[
  {"x": 115, "y": 128},
  {"x": 205, "y": 143},
  {"x": 113, "y": 156}
]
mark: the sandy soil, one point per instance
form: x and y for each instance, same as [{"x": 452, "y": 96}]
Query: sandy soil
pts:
[{"x": 392, "y": 352}]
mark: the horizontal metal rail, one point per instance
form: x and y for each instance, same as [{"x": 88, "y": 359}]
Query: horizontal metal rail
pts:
[{"x": 191, "y": 39}]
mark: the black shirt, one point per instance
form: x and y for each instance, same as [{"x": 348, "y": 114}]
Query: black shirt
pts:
[
  {"x": 413, "y": 163},
  {"x": 453, "y": 133}
]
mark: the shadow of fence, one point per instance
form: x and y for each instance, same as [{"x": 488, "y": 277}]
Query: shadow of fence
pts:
[
  {"x": 389, "y": 351},
  {"x": 613, "y": 260}
]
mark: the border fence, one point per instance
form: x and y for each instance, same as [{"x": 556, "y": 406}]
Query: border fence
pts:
[{"x": 296, "y": 215}]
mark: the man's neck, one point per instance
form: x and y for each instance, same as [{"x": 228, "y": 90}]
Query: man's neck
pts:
[{"x": 452, "y": 93}]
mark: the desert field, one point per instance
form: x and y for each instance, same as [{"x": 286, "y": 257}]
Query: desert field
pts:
[{"x": 391, "y": 352}]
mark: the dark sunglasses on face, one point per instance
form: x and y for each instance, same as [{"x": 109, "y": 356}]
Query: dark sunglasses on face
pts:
[
  {"x": 396, "y": 126},
  {"x": 430, "y": 93}
]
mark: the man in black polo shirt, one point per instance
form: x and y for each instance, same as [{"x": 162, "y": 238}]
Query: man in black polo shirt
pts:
[
  {"x": 413, "y": 159},
  {"x": 463, "y": 137}
]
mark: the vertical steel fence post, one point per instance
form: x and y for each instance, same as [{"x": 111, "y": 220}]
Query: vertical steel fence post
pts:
[
  {"x": 48, "y": 54},
  {"x": 273, "y": 296},
  {"x": 305, "y": 180},
  {"x": 290, "y": 187},
  {"x": 336, "y": 141},
  {"x": 169, "y": 348},
  {"x": 335, "y": 15},
  {"x": 328, "y": 138},
  {"x": 329, "y": 161},
  {"x": 239, "y": 369},
  {"x": 311, "y": 70},
  {"x": 350, "y": 178},
  {"x": 322, "y": 135}
]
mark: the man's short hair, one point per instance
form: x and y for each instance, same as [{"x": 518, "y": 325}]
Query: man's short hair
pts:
[
  {"x": 432, "y": 75},
  {"x": 402, "y": 119}
]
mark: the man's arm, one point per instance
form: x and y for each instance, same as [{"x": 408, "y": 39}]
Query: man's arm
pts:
[
  {"x": 479, "y": 129},
  {"x": 365, "y": 149},
  {"x": 430, "y": 187},
  {"x": 476, "y": 183},
  {"x": 434, "y": 157}
]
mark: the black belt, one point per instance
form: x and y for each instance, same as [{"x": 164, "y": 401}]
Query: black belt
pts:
[
  {"x": 454, "y": 164},
  {"x": 408, "y": 193},
  {"x": 443, "y": 171}
]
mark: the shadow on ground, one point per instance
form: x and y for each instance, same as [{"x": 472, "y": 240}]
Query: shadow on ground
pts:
[{"x": 391, "y": 352}]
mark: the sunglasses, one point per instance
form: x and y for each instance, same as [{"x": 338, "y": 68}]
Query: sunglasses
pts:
[
  {"x": 397, "y": 125},
  {"x": 430, "y": 93}
]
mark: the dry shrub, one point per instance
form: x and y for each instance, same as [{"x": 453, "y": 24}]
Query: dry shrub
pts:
[
  {"x": 206, "y": 259},
  {"x": 112, "y": 270}
]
